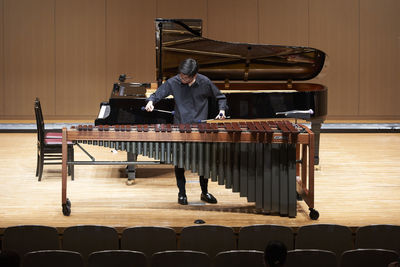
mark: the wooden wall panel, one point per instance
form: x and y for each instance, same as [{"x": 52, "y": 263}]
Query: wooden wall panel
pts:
[
  {"x": 28, "y": 56},
  {"x": 334, "y": 27},
  {"x": 1, "y": 60},
  {"x": 233, "y": 20},
  {"x": 380, "y": 58},
  {"x": 80, "y": 56},
  {"x": 283, "y": 22},
  {"x": 183, "y": 9},
  {"x": 130, "y": 41}
]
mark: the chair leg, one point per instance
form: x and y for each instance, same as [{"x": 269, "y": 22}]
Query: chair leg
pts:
[
  {"x": 71, "y": 158},
  {"x": 37, "y": 165},
  {"x": 41, "y": 163}
]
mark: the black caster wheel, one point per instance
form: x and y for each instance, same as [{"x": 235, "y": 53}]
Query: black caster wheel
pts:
[
  {"x": 66, "y": 208},
  {"x": 314, "y": 214}
]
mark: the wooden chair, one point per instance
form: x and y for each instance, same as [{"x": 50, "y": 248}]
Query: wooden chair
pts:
[
  {"x": 210, "y": 239},
  {"x": 26, "y": 238},
  {"x": 180, "y": 258},
  {"x": 368, "y": 257},
  {"x": 257, "y": 236},
  {"x": 148, "y": 239},
  {"x": 239, "y": 258},
  {"x": 51, "y": 258},
  {"x": 86, "y": 239},
  {"x": 49, "y": 145},
  {"x": 310, "y": 258},
  {"x": 117, "y": 258}
]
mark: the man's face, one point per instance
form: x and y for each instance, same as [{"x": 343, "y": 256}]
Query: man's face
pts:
[{"x": 187, "y": 79}]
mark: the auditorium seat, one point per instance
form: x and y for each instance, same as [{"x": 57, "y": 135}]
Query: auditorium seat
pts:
[
  {"x": 117, "y": 258},
  {"x": 26, "y": 238},
  {"x": 52, "y": 258},
  {"x": 86, "y": 239},
  {"x": 239, "y": 258},
  {"x": 368, "y": 257},
  {"x": 331, "y": 237},
  {"x": 384, "y": 236},
  {"x": 148, "y": 239},
  {"x": 257, "y": 236},
  {"x": 180, "y": 258},
  {"x": 210, "y": 239},
  {"x": 311, "y": 258}
]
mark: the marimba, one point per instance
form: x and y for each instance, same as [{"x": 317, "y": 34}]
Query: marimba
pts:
[{"x": 269, "y": 162}]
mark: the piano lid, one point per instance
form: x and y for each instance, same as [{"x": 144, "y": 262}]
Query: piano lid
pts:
[{"x": 177, "y": 39}]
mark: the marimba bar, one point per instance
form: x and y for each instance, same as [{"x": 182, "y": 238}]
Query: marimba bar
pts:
[{"x": 258, "y": 159}]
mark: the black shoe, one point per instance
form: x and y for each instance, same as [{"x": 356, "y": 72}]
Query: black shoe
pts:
[
  {"x": 182, "y": 200},
  {"x": 207, "y": 197}
]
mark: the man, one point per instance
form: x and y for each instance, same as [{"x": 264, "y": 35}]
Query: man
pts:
[
  {"x": 190, "y": 91},
  {"x": 275, "y": 254}
]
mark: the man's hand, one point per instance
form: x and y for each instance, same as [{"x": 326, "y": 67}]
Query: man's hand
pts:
[
  {"x": 221, "y": 115},
  {"x": 149, "y": 107}
]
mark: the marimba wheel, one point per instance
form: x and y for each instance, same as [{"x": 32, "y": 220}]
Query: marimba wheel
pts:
[
  {"x": 130, "y": 182},
  {"x": 314, "y": 214},
  {"x": 66, "y": 208}
]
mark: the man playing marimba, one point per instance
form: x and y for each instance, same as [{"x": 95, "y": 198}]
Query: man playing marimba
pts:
[{"x": 191, "y": 91}]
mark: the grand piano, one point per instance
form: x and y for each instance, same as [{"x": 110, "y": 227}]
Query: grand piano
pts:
[{"x": 260, "y": 81}]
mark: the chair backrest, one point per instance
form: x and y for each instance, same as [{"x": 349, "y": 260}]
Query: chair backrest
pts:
[
  {"x": 180, "y": 258},
  {"x": 210, "y": 239},
  {"x": 86, "y": 239},
  {"x": 117, "y": 258},
  {"x": 331, "y": 237},
  {"x": 51, "y": 258},
  {"x": 239, "y": 258},
  {"x": 384, "y": 236},
  {"x": 310, "y": 258},
  {"x": 39, "y": 120},
  {"x": 26, "y": 238},
  {"x": 368, "y": 257},
  {"x": 257, "y": 236},
  {"x": 148, "y": 239}
]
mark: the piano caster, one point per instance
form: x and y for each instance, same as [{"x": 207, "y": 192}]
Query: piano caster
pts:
[
  {"x": 66, "y": 208},
  {"x": 314, "y": 214},
  {"x": 130, "y": 182}
]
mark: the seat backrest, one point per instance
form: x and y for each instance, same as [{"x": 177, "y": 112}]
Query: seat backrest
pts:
[
  {"x": 239, "y": 258},
  {"x": 26, "y": 238},
  {"x": 51, "y": 258},
  {"x": 210, "y": 239},
  {"x": 180, "y": 258},
  {"x": 257, "y": 236},
  {"x": 310, "y": 258},
  {"x": 148, "y": 239},
  {"x": 117, "y": 258},
  {"x": 331, "y": 237},
  {"x": 384, "y": 236},
  {"x": 368, "y": 257},
  {"x": 39, "y": 121},
  {"x": 86, "y": 239}
]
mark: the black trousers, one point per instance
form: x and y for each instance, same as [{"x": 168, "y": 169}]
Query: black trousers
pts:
[{"x": 181, "y": 181}]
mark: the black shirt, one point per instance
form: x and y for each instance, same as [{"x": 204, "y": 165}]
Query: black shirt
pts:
[{"x": 191, "y": 102}]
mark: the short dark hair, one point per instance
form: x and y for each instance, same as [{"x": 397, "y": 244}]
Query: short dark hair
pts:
[
  {"x": 188, "y": 67},
  {"x": 275, "y": 253}
]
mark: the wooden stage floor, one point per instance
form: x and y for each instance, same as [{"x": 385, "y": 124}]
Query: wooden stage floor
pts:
[{"x": 358, "y": 184}]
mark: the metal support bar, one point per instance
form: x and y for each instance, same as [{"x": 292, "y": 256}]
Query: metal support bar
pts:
[{"x": 87, "y": 153}]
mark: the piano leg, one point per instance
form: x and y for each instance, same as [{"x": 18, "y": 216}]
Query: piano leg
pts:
[
  {"x": 316, "y": 128},
  {"x": 131, "y": 169}
]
